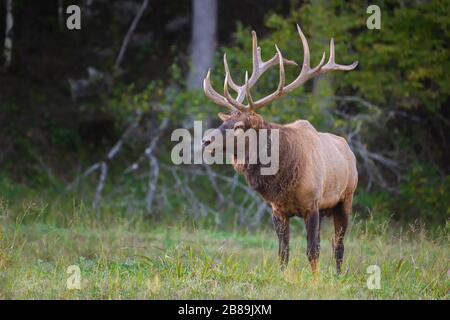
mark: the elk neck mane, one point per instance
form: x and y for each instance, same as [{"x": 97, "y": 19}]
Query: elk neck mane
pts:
[{"x": 274, "y": 187}]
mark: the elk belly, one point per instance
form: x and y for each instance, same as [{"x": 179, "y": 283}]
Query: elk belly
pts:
[{"x": 328, "y": 202}]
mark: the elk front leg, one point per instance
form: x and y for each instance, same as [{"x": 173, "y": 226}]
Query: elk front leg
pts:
[
  {"x": 281, "y": 226},
  {"x": 312, "y": 223}
]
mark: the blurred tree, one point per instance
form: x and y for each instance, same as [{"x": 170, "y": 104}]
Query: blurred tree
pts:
[
  {"x": 7, "y": 51},
  {"x": 204, "y": 40}
]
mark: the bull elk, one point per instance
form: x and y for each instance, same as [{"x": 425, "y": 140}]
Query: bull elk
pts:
[{"x": 317, "y": 173}]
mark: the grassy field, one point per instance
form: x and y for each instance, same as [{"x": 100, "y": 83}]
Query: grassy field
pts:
[{"x": 122, "y": 256}]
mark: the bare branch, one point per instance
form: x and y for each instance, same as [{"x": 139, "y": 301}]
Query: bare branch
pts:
[
  {"x": 152, "y": 182},
  {"x": 101, "y": 184},
  {"x": 151, "y": 146},
  {"x": 130, "y": 32}
]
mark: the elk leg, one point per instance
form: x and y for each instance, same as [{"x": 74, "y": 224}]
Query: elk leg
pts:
[
  {"x": 321, "y": 216},
  {"x": 340, "y": 217},
  {"x": 282, "y": 229},
  {"x": 312, "y": 222}
]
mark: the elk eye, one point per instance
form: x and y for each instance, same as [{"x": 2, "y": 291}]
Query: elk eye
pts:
[{"x": 238, "y": 125}]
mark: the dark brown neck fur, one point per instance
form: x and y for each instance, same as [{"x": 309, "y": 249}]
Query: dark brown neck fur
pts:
[{"x": 274, "y": 187}]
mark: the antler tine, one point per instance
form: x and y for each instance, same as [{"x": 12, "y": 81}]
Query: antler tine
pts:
[
  {"x": 306, "y": 54},
  {"x": 280, "y": 90},
  {"x": 247, "y": 92},
  {"x": 306, "y": 72},
  {"x": 232, "y": 84},
  {"x": 256, "y": 62},
  {"x": 282, "y": 74},
  {"x": 212, "y": 94},
  {"x": 237, "y": 104},
  {"x": 256, "y": 55},
  {"x": 332, "y": 65},
  {"x": 259, "y": 67}
]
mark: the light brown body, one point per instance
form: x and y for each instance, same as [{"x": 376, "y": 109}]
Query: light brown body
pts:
[{"x": 323, "y": 175}]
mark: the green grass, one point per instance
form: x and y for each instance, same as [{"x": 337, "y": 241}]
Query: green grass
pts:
[{"x": 123, "y": 256}]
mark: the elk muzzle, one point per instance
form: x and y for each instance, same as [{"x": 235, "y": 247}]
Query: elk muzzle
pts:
[{"x": 206, "y": 141}]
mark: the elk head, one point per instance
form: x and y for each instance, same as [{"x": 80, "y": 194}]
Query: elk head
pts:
[{"x": 243, "y": 116}]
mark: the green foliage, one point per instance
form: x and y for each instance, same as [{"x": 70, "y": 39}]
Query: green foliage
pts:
[
  {"x": 403, "y": 65},
  {"x": 424, "y": 195},
  {"x": 409, "y": 69}
]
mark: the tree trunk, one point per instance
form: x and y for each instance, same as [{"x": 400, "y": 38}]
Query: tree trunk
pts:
[
  {"x": 323, "y": 87},
  {"x": 61, "y": 14},
  {"x": 203, "y": 42},
  {"x": 7, "y": 50}
]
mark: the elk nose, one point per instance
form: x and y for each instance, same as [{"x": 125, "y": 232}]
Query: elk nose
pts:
[{"x": 206, "y": 142}]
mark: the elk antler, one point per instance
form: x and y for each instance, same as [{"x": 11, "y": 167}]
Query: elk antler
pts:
[{"x": 259, "y": 67}]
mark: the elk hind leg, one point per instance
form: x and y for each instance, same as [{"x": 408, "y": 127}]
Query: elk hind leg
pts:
[
  {"x": 340, "y": 216},
  {"x": 312, "y": 223}
]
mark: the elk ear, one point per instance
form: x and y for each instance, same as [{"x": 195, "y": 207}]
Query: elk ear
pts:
[{"x": 223, "y": 116}]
